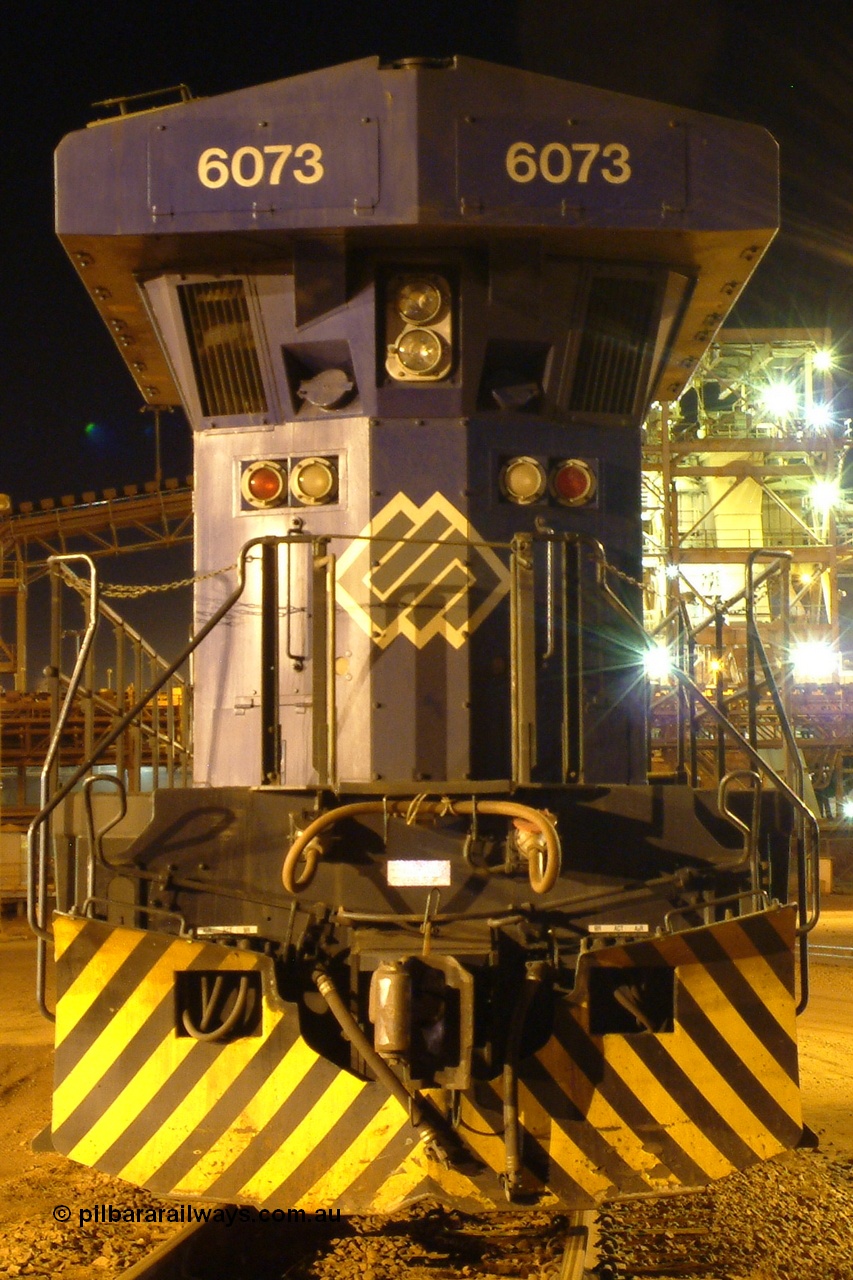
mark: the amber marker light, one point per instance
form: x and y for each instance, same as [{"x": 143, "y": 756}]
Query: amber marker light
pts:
[
  {"x": 264, "y": 484},
  {"x": 573, "y": 482},
  {"x": 523, "y": 480},
  {"x": 313, "y": 481}
]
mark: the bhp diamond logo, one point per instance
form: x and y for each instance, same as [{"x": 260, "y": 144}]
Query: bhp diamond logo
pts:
[{"x": 420, "y": 572}]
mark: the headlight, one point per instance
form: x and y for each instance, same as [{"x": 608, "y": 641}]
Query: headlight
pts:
[
  {"x": 419, "y": 351},
  {"x": 419, "y": 301},
  {"x": 418, "y": 327}
]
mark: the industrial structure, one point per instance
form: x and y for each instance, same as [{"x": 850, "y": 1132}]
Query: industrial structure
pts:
[{"x": 756, "y": 459}]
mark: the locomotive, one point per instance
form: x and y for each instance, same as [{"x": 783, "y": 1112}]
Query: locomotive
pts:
[{"x": 422, "y": 926}]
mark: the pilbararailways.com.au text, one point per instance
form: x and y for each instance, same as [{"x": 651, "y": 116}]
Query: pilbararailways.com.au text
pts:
[{"x": 104, "y": 1214}]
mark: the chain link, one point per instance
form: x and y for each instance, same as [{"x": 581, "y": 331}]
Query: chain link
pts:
[
  {"x": 618, "y": 573},
  {"x": 129, "y": 590}
]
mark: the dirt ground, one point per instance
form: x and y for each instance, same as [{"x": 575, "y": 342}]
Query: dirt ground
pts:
[{"x": 32, "y": 1183}]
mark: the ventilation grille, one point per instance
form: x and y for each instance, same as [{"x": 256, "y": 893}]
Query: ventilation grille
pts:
[
  {"x": 223, "y": 349},
  {"x": 613, "y": 345}
]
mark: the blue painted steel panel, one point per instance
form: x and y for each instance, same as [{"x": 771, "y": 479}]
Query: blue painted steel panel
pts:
[
  {"x": 234, "y": 163},
  {"x": 601, "y": 169},
  {"x": 386, "y": 146}
]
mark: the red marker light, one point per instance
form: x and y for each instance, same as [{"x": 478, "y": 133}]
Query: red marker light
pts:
[
  {"x": 264, "y": 484},
  {"x": 573, "y": 483}
]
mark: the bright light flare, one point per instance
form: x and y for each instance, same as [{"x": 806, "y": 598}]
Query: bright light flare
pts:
[
  {"x": 814, "y": 661},
  {"x": 819, "y": 417},
  {"x": 824, "y": 495},
  {"x": 822, "y": 361},
  {"x": 657, "y": 663},
  {"x": 780, "y": 399},
  {"x": 847, "y": 808}
]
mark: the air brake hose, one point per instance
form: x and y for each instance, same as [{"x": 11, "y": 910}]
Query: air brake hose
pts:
[
  {"x": 422, "y": 1114},
  {"x": 309, "y": 845},
  {"x": 512, "y": 1136}
]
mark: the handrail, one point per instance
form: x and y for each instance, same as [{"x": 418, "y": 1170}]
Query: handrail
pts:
[
  {"x": 37, "y": 859},
  {"x": 37, "y": 854},
  {"x": 808, "y": 881}
]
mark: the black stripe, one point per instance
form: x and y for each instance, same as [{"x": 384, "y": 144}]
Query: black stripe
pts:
[
  {"x": 119, "y": 990},
  {"x": 78, "y": 953},
  {"x": 600, "y": 1075},
  {"x": 360, "y": 1193},
  {"x": 344, "y": 1133},
  {"x": 267, "y": 1141},
  {"x": 221, "y": 1114},
  {"x": 551, "y": 1174},
  {"x": 734, "y": 1070},
  {"x": 691, "y": 1100},
  {"x": 712, "y": 955},
  {"x": 564, "y": 1110},
  {"x": 770, "y": 944},
  {"x": 106, "y": 1088}
]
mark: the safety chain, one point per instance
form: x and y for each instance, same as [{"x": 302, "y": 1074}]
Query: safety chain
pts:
[
  {"x": 618, "y": 573},
  {"x": 128, "y": 590}
]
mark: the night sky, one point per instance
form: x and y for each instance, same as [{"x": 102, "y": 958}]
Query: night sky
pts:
[{"x": 786, "y": 66}]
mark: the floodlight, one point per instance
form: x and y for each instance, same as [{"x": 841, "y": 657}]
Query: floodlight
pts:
[
  {"x": 819, "y": 416},
  {"x": 824, "y": 494},
  {"x": 814, "y": 661},
  {"x": 657, "y": 662},
  {"x": 780, "y": 399}
]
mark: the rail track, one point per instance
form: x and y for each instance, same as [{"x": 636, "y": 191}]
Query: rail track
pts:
[{"x": 430, "y": 1242}]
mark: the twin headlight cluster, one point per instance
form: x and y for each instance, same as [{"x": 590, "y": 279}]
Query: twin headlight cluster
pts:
[
  {"x": 305, "y": 482},
  {"x": 570, "y": 481},
  {"x": 418, "y": 327}
]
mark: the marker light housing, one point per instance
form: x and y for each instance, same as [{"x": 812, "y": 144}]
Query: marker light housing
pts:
[
  {"x": 313, "y": 481},
  {"x": 573, "y": 482},
  {"x": 523, "y": 480},
  {"x": 264, "y": 484}
]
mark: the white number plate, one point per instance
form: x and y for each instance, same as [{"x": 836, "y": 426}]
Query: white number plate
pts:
[{"x": 408, "y": 873}]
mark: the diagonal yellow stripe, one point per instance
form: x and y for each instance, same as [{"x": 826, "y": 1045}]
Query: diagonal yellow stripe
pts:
[
  {"x": 480, "y": 1136},
  {"x": 363, "y": 1152},
  {"x": 90, "y": 982},
  {"x": 659, "y": 1101},
  {"x": 65, "y": 930},
  {"x": 740, "y": 1036},
  {"x": 561, "y": 1148},
  {"x": 191, "y": 1110},
  {"x": 141, "y": 1089},
  {"x": 601, "y": 1115},
  {"x": 720, "y": 1094},
  {"x": 272, "y": 1093},
  {"x": 314, "y": 1126},
  {"x": 772, "y": 993},
  {"x": 134, "y": 1097}
]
